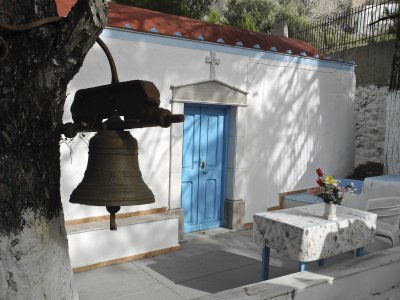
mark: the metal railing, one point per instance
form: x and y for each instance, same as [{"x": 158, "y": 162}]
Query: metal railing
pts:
[{"x": 353, "y": 27}]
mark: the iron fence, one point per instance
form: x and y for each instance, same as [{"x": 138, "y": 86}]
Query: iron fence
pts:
[{"x": 369, "y": 23}]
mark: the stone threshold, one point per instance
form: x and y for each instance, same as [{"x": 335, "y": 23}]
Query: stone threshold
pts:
[
  {"x": 118, "y": 216},
  {"x": 124, "y": 221}
]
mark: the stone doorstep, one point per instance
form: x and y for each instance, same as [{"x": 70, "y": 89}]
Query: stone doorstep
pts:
[
  {"x": 89, "y": 242},
  {"x": 375, "y": 272},
  {"x": 105, "y": 224}
]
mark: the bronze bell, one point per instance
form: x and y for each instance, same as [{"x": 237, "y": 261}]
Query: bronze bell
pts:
[{"x": 112, "y": 177}]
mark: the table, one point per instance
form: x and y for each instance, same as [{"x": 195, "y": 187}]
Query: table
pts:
[{"x": 304, "y": 235}]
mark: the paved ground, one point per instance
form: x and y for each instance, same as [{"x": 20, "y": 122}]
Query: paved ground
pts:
[
  {"x": 391, "y": 294},
  {"x": 208, "y": 262}
]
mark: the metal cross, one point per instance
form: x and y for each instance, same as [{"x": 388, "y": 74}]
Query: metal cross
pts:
[{"x": 213, "y": 61}]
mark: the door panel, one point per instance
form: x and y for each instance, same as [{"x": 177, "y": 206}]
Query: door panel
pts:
[
  {"x": 187, "y": 193},
  {"x": 190, "y": 166},
  {"x": 212, "y": 145},
  {"x": 189, "y": 143},
  {"x": 202, "y": 165},
  {"x": 211, "y": 199}
]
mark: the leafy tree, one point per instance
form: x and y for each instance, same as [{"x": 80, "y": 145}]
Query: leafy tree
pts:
[
  {"x": 214, "y": 16},
  {"x": 248, "y": 22},
  {"x": 254, "y": 15},
  {"x": 296, "y": 14},
  {"x": 195, "y": 9},
  {"x": 34, "y": 261},
  {"x": 261, "y": 15}
]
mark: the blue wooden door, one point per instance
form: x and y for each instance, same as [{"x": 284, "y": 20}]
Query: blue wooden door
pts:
[{"x": 203, "y": 165}]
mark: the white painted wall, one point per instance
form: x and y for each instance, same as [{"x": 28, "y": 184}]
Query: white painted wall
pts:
[
  {"x": 299, "y": 116},
  {"x": 300, "y": 119}
]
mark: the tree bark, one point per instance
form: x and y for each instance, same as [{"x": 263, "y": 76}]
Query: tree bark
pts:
[
  {"x": 34, "y": 261},
  {"x": 395, "y": 77},
  {"x": 392, "y": 137}
]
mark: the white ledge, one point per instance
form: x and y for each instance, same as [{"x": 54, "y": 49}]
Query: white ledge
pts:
[{"x": 354, "y": 278}]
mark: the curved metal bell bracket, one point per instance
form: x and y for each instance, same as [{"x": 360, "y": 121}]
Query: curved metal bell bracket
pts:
[{"x": 137, "y": 101}]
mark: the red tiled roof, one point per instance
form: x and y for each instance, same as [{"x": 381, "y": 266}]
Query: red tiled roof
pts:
[
  {"x": 139, "y": 19},
  {"x": 64, "y": 6}
]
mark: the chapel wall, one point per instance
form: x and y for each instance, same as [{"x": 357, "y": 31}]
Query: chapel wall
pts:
[
  {"x": 299, "y": 117},
  {"x": 307, "y": 123}
]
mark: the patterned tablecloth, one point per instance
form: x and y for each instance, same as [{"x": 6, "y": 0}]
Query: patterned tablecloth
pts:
[{"x": 304, "y": 235}]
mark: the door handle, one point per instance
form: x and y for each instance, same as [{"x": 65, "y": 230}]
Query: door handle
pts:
[
  {"x": 202, "y": 164},
  {"x": 203, "y": 167}
]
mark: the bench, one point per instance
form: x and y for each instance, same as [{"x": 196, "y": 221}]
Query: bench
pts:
[
  {"x": 93, "y": 245},
  {"x": 301, "y": 197}
]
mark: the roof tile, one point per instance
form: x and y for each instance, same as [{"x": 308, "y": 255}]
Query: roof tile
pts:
[{"x": 144, "y": 20}]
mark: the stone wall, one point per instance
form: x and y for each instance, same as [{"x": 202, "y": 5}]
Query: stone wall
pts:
[
  {"x": 321, "y": 8},
  {"x": 370, "y": 119}
]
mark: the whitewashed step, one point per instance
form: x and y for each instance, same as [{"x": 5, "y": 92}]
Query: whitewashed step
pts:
[{"x": 93, "y": 244}]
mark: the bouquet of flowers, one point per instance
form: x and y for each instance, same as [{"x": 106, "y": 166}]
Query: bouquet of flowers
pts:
[{"x": 329, "y": 189}]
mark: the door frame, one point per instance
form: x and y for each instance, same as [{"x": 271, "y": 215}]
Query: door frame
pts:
[
  {"x": 224, "y": 152},
  {"x": 211, "y": 92}
]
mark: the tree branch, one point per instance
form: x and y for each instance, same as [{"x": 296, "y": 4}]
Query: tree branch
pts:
[
  {"x": 391, "y": 17},
  {"x": 78, "y": 32},
  {"x": 394, "y": 84}
]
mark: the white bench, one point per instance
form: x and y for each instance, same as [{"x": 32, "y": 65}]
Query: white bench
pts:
[
  {"x": 93, "y": 245},
  {"x": 301, "y": 197}
]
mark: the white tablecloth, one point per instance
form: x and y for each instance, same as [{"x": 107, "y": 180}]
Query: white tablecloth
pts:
[{"x": 305, "y": 235}]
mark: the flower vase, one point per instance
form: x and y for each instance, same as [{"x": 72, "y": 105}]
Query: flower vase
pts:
[{"x": 330, "y": 212}]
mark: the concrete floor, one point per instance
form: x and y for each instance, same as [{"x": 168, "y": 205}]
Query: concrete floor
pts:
[{"x": 208, "y": 262}]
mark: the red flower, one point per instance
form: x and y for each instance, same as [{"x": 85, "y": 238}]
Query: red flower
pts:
[
  {"x": 319, "y": 172},
  {"x": 320, "y": 183},
  {"x": 314, "y": 191}
]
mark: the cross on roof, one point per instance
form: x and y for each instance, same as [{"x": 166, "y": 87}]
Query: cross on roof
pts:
[{"x": 213, "y": 61}]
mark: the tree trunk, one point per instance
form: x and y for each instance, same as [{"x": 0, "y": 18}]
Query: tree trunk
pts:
[
  {"x": 35, "y": 263},
  {"x": 392, "y": 138},
  {"x": 34, "y": 260}
]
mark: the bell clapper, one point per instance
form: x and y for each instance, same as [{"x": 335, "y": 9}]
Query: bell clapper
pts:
[{"x": 113, "y": 210}]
